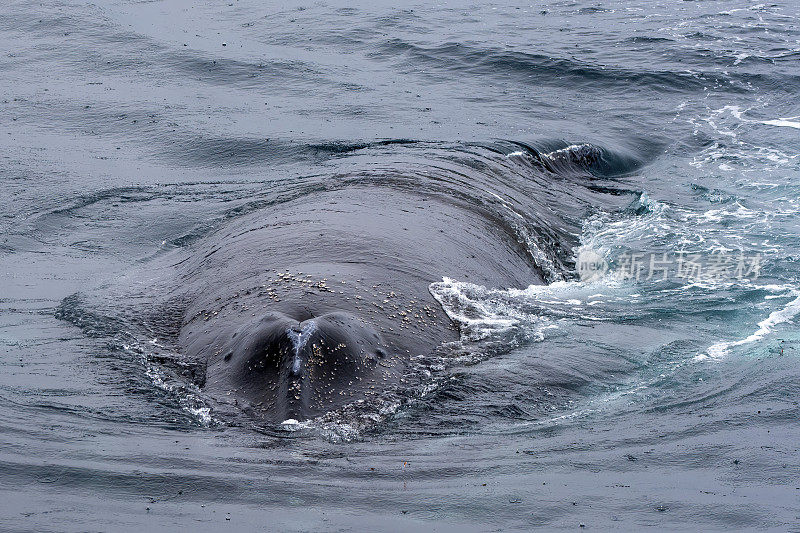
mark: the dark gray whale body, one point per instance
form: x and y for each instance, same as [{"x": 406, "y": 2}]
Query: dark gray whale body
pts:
[{"x": 309, "y": 305}]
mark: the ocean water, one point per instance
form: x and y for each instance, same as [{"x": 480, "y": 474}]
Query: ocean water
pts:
[{"x": 646, "y": 154}]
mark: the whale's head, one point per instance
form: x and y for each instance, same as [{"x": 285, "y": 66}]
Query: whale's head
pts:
[{"x": 299, "y": 367}]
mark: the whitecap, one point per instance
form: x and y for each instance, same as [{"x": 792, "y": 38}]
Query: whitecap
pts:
[
  {"x": 782, "y": 122},
  {"x": 765, "y": 327}
]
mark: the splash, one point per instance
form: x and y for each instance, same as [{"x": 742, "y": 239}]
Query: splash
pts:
[{"x": 765, "y": 327}]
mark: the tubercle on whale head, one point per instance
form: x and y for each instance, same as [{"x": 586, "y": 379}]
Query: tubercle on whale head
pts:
[{"x": 298, "y": 367}]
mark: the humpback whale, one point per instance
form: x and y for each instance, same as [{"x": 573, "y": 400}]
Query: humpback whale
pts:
[
  {"x": 317, "y": 295},
  {"x": 317, "y": 302}
]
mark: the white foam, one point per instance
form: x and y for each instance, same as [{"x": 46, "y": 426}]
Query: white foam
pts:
[
  {"x": 765, "y": 327},
  {"x": 468, "y": 305},
  {"x": 782, "y": 122},
  {"x": 567, "y": 150},
  {"x": 203, "y": 414},
  {"x": 741, "y": 57},
  {"x": 290, "y": 424},
  {"x": 510, "y": 315}
]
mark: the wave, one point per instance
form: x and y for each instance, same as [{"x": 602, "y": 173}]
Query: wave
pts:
[
  {"x": 205, "y": 150},
  {"x": 541, "y": 69}
]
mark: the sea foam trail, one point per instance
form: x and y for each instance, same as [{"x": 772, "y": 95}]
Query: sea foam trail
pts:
[{"x": 765, "y": 327}]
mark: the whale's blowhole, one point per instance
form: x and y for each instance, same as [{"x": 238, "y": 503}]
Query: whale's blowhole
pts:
[{"x": 307, "y": 365}]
